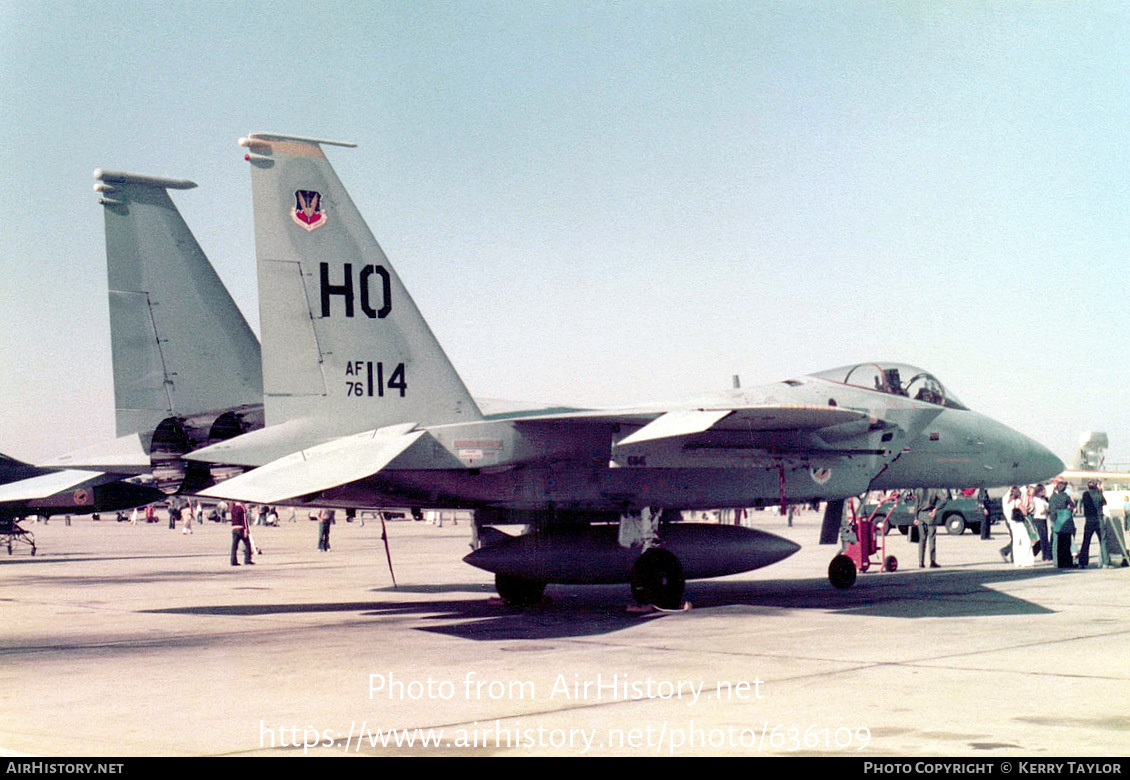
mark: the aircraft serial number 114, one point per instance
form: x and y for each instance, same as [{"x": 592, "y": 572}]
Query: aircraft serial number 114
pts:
[{"x": 372, "y": 379}]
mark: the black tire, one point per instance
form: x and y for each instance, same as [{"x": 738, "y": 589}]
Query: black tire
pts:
[
  {"x": 904, "y": 529},
  {"x": 841, "y": 572},
  {"x": 518, "y": 591},
  {"x": 657, "y": 579},
  {"x": 955, "y": 524},
  {"x": 891, "y": 563}
]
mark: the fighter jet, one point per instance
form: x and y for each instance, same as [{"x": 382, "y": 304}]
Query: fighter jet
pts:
[
  {"x": 363, "y": 409},
  {"x": 1088, "y": 466},
  {"x": 187, "y": 367},
  {"x": 30, "y": 490}
]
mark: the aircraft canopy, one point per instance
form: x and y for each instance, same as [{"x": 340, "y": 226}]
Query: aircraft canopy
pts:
[{"x": 895, "y": 379}]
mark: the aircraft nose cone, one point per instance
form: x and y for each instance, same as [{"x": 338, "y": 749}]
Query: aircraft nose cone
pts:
[
  {"x": 1034, "y": 462},
  {"x": 1017, "y": 459},
  {"x": 1043, "y": 464}
]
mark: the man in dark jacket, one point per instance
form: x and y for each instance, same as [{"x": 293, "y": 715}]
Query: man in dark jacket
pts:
[
  {"x": 929, "y": 503},
  {"x": 1093, "y": 503},
  {"x": 240, "y": 531}
]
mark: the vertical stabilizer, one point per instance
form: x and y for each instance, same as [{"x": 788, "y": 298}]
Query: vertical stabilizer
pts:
[
  {"x": 180, "y": 344},
  {"x": 1091, "y": 452},
  {"x": 343, "y": 343}
]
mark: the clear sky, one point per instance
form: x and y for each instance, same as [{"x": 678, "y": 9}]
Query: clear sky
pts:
[{"x": 611, "y": 202}]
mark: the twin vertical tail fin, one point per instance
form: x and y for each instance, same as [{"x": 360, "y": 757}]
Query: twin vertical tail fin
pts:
[
  {"x": 344, "y": 346},
  {"x": 1092, "y": 451},
  {"x": 180, "y": 344}
]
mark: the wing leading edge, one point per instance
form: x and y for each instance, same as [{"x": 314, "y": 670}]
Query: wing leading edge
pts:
[{"x": 755, "y": 419}]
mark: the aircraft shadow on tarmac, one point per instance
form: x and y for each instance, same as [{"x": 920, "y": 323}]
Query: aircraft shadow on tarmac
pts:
[
  {"x": 577, "y": 611},
  {"x": 73, "y": 557}
]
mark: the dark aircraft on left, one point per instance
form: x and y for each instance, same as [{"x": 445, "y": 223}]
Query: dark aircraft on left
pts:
[
  {"x": 187, "y": 370},
  {"x": 30, "y": 490}
]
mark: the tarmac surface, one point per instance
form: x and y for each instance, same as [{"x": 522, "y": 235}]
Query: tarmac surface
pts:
[{"x": 121, "y": 640}]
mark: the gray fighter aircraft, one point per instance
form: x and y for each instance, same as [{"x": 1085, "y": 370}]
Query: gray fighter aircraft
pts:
[
  {"x": 363, "y": 409},
  {"x": 30, "y": 490},
  {"x": 187, "y": 367}
]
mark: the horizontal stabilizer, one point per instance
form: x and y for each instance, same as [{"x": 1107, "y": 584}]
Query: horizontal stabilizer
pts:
[
  {"x": 124, "y": 455},
  {"x": 758, "y": 419},
  {"x": 319, "y": 468},
  {"x": 258, "y": 448}
]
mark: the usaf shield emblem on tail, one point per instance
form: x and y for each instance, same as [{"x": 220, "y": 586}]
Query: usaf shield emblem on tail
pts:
[{"x": 307, "y": 211}]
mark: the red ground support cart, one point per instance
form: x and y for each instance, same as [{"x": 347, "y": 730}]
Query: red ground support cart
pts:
[{"x": 865, "y": 544}]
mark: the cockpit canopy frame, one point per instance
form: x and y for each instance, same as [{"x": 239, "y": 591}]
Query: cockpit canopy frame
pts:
[{"x": 898, "y": 379}]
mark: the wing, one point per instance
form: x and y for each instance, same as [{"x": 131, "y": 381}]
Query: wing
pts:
[
  {"x": 71, "y": 490},
  {"x": 526, "y": 438},
  {"x": 44, "y": 485},
  {"x": 1081, "y": 477}
]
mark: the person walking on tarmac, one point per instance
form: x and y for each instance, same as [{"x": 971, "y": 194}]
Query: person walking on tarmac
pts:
[
  {"x": 240, "y": 532},
  {"x": 1093, "y": 502},
  {"x": 325, "y": 520},
  {"x": 929, "y": 503}
]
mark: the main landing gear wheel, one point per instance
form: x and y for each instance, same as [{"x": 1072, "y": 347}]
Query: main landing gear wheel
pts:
[
  {"x": 518, "y": 591},
  {"x": 841, "y": 572},
  {"x": 657, "y": 579}
]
